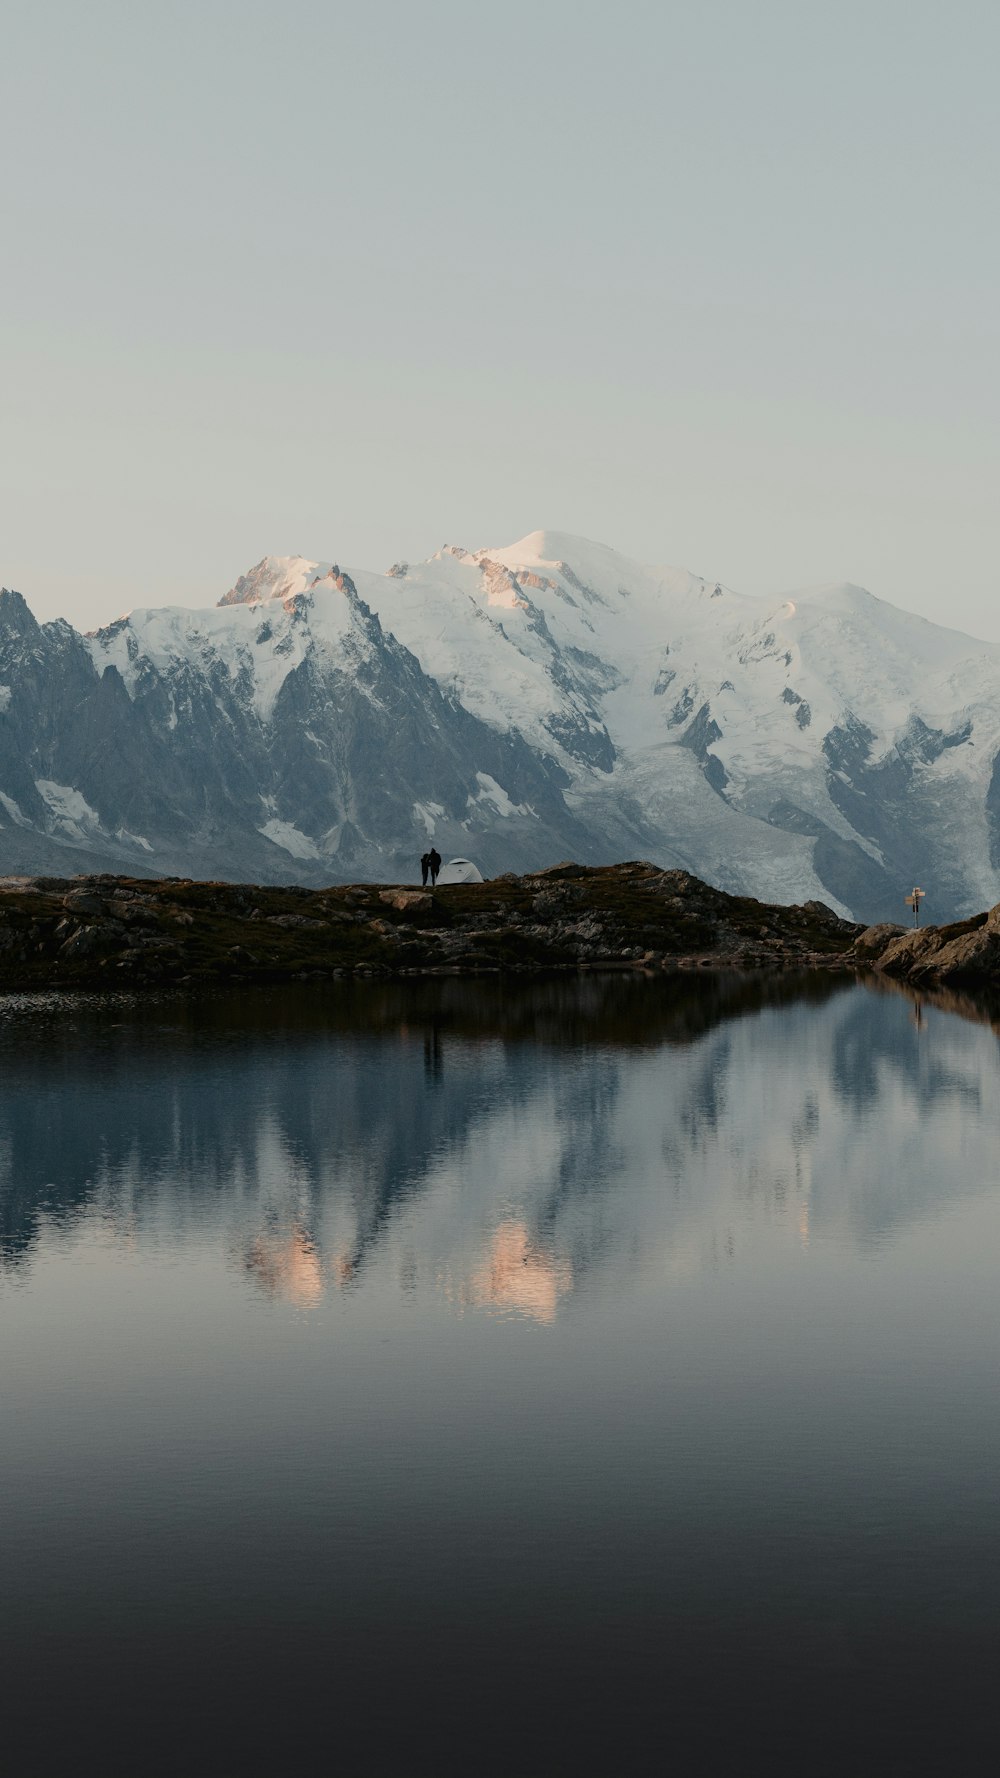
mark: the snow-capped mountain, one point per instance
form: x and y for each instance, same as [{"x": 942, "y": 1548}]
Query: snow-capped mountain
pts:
[{"x": 518, "y": 705}]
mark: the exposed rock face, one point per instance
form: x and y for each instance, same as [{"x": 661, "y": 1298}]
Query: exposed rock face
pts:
[
  {"x": 188, "y": 770},
  {"x": 874, "y": 939},
  {"x": 966, "y": 954}
]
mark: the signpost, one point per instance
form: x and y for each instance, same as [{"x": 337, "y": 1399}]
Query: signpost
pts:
[{"x": 913, "y": 901}]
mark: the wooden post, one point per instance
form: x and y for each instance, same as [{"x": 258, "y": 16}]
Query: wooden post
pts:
[{"x": 913, "y": 901}]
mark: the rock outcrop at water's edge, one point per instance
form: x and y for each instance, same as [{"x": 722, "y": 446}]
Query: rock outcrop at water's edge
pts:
[
  {"x": 110, "y": 931},
  {"x": 965, "y": 954}
]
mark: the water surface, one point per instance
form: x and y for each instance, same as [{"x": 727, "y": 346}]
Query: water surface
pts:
[{"x": 576, "y": 1377}]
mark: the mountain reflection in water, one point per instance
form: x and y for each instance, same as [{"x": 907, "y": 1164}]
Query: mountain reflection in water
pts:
[
  {"x": 483, "y": 1129},
  {"x": 286, "y": 1266},
  {"x": 565, "y": 1377}
]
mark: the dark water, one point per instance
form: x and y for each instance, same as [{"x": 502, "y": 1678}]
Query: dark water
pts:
[{"x": 597, "y": 1377}]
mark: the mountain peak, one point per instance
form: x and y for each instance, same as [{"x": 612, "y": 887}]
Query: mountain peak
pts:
[
  {"x": 548, "y": 697},
  {"x": 16, "y": 616},
  {"x": 549, "y": 549},
  {"x": 273, "y": 577}
]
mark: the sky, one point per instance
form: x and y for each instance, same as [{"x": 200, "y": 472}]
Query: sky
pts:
[{"x": 715, "y": 284}]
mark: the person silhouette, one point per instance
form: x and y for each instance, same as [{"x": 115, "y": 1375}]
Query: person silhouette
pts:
[
  {"x": 434, "y": 860},
  {"x": 425, "y": 865}
]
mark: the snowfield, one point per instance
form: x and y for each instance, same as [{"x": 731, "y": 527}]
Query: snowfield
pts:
[{"x": 548, "y": 698}]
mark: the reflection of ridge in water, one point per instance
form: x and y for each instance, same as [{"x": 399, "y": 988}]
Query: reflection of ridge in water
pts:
[
  {"x": 576, "y": 1124},
  {"x": 286, "y": 1266},
  {"x": 516, "y": 1275},
  {"x": 498, "y": 1389}
]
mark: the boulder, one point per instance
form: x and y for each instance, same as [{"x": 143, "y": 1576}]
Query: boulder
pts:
[
  {"x": 87, "y": 942},
  {"x": 968, "y": 952},
  {"x": 873, "y": 941},
  {"x": 83, "y": 901},
  {"x": 972, "y": 957},
  {"x": 910, "y": 946},
  {"x": 407, "y": 901}
]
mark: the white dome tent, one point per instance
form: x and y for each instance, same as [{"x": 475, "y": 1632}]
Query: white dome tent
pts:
[{"x": 459, "y": 870}]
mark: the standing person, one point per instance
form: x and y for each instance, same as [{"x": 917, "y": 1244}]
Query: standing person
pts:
[
  {"x": 425, "y": 865},
  {"x": 434, "y": 860}
]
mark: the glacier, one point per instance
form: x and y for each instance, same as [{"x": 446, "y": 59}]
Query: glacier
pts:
[{"x": 549, "y": 699}]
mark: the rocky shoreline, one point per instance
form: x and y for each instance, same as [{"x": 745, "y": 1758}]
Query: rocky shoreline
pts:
[{"x": 110, "y": 931}]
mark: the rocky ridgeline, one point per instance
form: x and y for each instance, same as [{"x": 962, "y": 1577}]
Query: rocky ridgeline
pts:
[{"x": 101, "y": 931}]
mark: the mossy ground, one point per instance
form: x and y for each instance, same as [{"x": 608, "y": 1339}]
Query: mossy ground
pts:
[{"x": 100, "y": 931}]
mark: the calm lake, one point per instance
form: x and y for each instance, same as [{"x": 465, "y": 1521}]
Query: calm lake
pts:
[{"x": 579, "y": 1377}]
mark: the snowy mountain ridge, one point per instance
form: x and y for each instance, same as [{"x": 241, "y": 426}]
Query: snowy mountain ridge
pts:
[{"x": 545, "y": 699}]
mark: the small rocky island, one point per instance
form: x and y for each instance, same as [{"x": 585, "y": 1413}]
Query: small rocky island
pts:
[{"x": 111, "y": 931}]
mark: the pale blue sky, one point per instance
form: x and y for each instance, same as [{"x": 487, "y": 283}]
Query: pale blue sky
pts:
[{"x": 715, "y": 283}]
